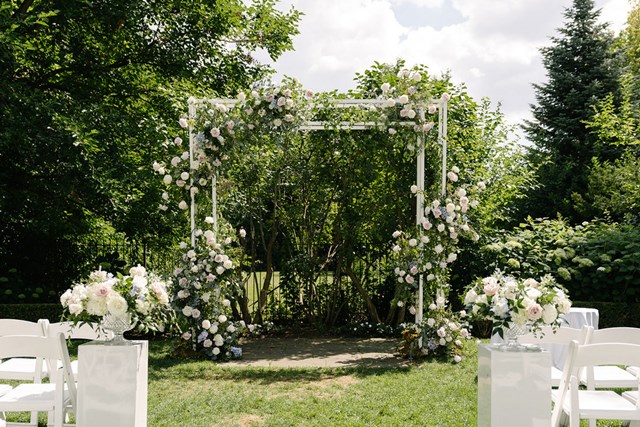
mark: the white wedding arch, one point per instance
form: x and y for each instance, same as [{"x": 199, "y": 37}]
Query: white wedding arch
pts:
[{"x": 441, "y": 108}]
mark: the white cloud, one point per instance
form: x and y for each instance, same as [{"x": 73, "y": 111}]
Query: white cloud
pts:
[{"x": 492, "y": 46}]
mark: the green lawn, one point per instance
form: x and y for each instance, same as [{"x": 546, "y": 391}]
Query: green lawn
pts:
[
  {"x": 198, "y": 394},
  {"x": 205, "y": 394}
]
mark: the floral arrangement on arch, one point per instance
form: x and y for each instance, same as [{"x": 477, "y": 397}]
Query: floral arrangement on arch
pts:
[
  {"x": 506, "y": 302},
  {"x": 433, "y": 247},
  {"x": 142, "y": 296},
  {"x": 204, "y": 288},
  {"x": 428, "y": 253},
  {"x": 441, "y": 334}
]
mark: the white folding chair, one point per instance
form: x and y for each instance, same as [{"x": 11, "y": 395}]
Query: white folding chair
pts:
[
  {"x": 55, "y": 397},
  {"x": 80, "y": 331},
  {"x": 578, "y": 404},
  {"x": 21, "y": 368},
  {"x": 557, "y": 340},
  {"x": 610, "y": 376}
]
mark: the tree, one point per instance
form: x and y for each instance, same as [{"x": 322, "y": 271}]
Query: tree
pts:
[
  {"x": 88, "y": 91},
  {"x": 582, "y": 69}
]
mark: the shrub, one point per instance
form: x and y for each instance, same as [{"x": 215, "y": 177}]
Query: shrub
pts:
[
  {"x": 595, "y": 261},
  {"x": 31, "y": 312}
]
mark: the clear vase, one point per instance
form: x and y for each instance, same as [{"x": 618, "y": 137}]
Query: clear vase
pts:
[
  {"x": 117, "y": 325},
  {"x": 511, "y": 335}
]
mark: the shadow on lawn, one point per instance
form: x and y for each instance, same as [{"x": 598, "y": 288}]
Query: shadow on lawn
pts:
[{"x": 162, "y": 366}]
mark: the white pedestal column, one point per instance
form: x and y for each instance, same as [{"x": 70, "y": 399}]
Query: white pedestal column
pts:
[
  {"x": 112, "y": 385},
  {"x": 514, "y": 388}
]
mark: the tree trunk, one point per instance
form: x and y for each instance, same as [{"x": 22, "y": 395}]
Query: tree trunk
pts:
[
  {"x": 371, "y": 308},
  {"x": 266, "y": 283}
]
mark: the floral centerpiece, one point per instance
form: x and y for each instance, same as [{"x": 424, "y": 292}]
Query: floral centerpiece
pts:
[
  {"x": 136, "y": 299},
  {"x": 528, "y": 304}
]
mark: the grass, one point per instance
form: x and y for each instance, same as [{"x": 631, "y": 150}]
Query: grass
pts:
[
  {"x": 205, "y": 394},
  {"x": 199, "y": 394}
]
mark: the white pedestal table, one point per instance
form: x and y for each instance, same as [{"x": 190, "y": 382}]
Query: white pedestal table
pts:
[
  {"x": 514, "y": 388},
  {"x": 112, "y": 384}
]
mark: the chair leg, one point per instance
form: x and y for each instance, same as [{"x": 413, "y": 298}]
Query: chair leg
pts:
[
  {"x": 574, "y": 419},
  {"x": 34, "y": 418}
]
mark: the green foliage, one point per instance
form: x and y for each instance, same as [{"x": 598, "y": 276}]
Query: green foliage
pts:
[
  {"x": 614, "y": 189},
  {"x": 31, "y": 312},
  {"x": 614, "y": 186},
  {"x": 614, "y": 314},
  {"x": 595, "y": 261},
  {"x": 87, "y": 89},
  {"x": 582, "y": 70}
]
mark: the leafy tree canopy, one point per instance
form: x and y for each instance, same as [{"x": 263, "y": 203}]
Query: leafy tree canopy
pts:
[{"x": 87, "y": 88}]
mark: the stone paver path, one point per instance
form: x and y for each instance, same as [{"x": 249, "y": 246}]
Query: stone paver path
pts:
[{"x": 319, "y": 353}]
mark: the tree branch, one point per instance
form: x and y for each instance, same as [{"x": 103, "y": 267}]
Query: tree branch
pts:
[{"x": 23, "y": 9}]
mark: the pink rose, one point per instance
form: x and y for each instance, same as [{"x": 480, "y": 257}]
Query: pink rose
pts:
[{"x": 534, "y": 311}]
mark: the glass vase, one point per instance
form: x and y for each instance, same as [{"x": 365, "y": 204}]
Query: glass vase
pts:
[
  {"x": 511, "y": 335},
  {"x": 117, "y": 325}
]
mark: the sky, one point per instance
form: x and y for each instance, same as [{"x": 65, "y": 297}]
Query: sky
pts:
[{"x": 492, "y": 46}]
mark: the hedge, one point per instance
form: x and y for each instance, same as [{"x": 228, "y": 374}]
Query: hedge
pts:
[{"x": 31, "y": 312}]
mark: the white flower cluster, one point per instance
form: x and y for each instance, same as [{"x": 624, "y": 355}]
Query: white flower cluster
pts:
[
  {"x": 435, "y": 246},
  {"x": 506, "y": 301},
  {"x": 139, "y": 294},
  {"x": 443, "y": 332},
  {"x": 409, "y": 96},
  {"x": 203, "y": 287}
]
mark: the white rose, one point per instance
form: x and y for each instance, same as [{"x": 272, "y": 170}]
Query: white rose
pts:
[
  {"x": 75, "y": 308},
  {"x": 138, "y": 271},
  {"x": 549, "y": 314},
  {"x": 206, "y": 324},
  {"x": 470, "y": 297},
  {"x": 187, "y": 310},
  {"x": 500, "y": 307},
  {"x": 222, "y": 318},
  {"x": 117, "y": 305}
]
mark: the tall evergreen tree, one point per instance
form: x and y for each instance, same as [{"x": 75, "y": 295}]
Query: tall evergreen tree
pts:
[{"x": 581, "y": 69}]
